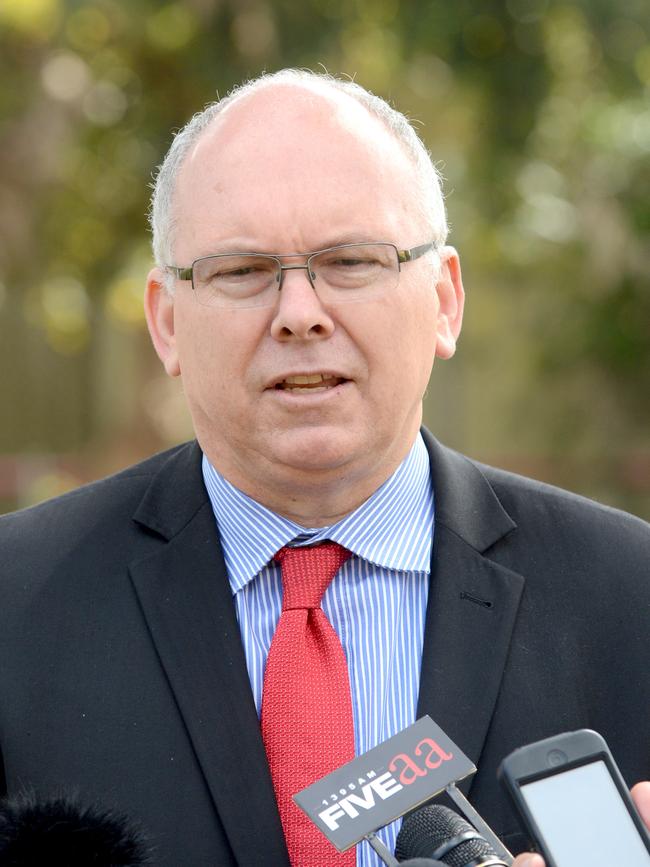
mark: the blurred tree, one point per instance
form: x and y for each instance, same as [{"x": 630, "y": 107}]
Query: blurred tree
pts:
[{"x": 538, "y": 113}]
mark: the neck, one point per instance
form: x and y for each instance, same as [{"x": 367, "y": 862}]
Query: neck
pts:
[{"x": 313, "y": 499}]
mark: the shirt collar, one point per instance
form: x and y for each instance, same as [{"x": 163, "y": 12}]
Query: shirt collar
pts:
[{"x": 392, "y": 529}]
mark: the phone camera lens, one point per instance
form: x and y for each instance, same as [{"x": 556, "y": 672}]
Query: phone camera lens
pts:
[{"x": 555, "y": 758}]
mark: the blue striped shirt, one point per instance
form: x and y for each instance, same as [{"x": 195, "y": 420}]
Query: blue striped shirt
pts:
[{"x": 376, "y": 602}]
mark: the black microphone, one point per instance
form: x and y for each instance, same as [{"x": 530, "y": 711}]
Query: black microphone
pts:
[
  {"x": 439, "y": 833},
  {"x": 35, "y": 833}
]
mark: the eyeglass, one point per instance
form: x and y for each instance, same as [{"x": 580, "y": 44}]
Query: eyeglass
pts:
[{"x": 347, "y": 272}]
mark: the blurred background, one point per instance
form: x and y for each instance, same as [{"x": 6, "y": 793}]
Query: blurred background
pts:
[{"x": 536, "y": 111}]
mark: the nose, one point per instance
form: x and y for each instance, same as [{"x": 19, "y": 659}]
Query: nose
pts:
[{"x": 300, "y": 314}]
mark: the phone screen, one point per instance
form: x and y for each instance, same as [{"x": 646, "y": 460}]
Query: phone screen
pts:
[{"x": 583, "y": 819}]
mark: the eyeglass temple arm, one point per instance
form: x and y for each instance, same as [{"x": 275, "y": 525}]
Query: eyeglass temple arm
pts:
[
  {"x": 415, "y": 252},
  {"x": 180, "y": 273}
]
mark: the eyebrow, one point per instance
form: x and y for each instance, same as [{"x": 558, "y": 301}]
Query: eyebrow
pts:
[
  {"x": 348, "y": 238},
  {"x": 335, "y": 241}
]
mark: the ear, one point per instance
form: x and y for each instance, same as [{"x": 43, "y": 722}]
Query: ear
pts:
[
  {"x": 159, "y": 311},
  {"x": 451, "y": 298}
]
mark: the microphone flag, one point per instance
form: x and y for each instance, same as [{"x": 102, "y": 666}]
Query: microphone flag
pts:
[{"x": 378, "y": 787}]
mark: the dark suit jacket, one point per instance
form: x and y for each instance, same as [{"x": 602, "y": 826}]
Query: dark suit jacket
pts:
[{"x": 122, "y": 674}]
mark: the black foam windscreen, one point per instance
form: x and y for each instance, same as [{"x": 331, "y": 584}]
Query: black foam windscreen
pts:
[{"x": 37, "y": 832}]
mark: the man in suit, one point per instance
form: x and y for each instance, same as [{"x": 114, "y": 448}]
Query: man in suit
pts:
[{"x": 303, "y": 289}]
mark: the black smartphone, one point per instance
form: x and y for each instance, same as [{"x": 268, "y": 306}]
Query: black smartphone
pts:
[{"x": 574, "y": 803}]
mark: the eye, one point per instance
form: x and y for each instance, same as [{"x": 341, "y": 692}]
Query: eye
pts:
[
  {"x": 234, "y": 269},
  {"x": 349, "y": 262},
  {"x": 236, "y": 273}
]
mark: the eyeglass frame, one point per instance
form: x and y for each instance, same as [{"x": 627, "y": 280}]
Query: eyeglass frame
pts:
[{"x": 403, "y": 256}]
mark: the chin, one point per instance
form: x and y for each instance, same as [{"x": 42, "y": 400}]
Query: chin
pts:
[{"x": 318, "y": 450}]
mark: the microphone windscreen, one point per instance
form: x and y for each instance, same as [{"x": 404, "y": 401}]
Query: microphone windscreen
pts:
[
  {"x": 60, "y": 831},
  {"x": 425, "y": 831}
]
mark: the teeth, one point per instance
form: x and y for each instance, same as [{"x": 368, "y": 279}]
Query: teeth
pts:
[
  {"x": 305, "y": 379},
  {"x": 308, "y": 382}
]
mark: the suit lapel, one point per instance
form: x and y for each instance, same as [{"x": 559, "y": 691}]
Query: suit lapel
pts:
[
  {"x": 187, "y": 603},
  {"x": 473, "y": 603}
]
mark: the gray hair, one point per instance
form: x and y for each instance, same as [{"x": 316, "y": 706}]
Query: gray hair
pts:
[{"x": 429, "y": 193}]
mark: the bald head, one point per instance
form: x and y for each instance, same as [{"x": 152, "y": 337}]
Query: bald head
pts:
[{"x": 281, "y": 101}]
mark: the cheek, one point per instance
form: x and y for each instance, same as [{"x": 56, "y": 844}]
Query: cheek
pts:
[
  {"x": 211, "y": 356},
  {"x": 410, "y": 348},
  {"x": 411, "y": 367}
]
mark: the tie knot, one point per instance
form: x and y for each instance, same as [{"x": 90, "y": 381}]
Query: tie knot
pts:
[{"x": 307, "y": 572}]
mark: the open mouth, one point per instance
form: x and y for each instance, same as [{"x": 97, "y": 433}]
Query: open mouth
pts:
[{"x": 308, "y": 383}]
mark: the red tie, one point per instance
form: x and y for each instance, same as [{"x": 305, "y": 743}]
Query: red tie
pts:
[{"x": 307, "y": 723}]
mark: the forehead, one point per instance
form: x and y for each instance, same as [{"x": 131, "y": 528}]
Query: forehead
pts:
[{"x": 292, "y": 159}]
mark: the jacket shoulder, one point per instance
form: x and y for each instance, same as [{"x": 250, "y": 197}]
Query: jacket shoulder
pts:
[
  {"x": 524, "y": 492},
  {"x": 99, "y": 504},
  {"x": 561, "y": 519}
]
